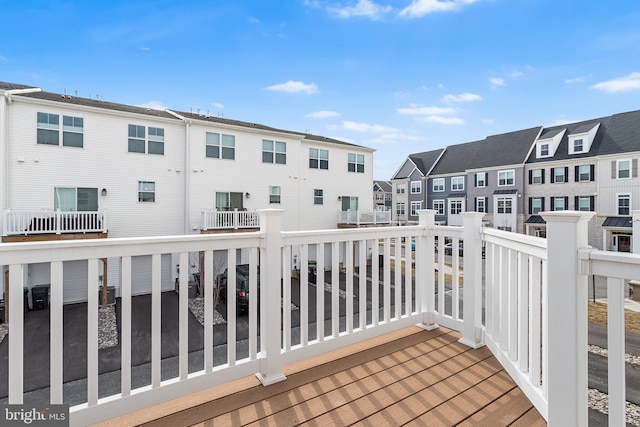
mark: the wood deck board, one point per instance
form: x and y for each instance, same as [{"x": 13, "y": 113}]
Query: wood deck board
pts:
[{"x": 408, "y": 377}]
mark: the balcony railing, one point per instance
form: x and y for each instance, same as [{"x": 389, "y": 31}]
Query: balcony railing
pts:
[
  {"x": 364, "y": 218},
  {"x": 25, "y": 222},
  {"x": 529, "y": 308},
  {"x": 213, "y": 219}
]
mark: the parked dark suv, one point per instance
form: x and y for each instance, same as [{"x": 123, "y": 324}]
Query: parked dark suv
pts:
[{"x": 242, "y": 285}]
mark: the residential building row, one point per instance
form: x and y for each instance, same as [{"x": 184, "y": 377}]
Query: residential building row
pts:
[
  {"x": 75, "y": 167},
  {"x": 586, "y": 166}
]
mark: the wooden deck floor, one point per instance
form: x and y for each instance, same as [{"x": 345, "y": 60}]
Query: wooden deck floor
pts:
[{"x": 410, "y": 377}]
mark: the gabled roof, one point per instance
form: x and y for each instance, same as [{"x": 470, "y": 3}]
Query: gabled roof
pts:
[
  {"x": 425, "y": 161},
  {"x": 623, "y": 134},
  {"x": 96, "y": 103},
  {"x": 384, "y": 186},
  {"x": 562, "y": 152},
  {"x": 505, "y": 149}
]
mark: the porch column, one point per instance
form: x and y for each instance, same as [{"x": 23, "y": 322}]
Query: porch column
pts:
[
  {"x": 271, "y": 362},
  {"x": 472, "y": 289},
  {"x": 425, "y": 269},
  {"x": 566, "y": 323}
]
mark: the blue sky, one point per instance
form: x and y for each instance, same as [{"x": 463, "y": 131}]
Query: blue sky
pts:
[{"x": 399, "y": 76}]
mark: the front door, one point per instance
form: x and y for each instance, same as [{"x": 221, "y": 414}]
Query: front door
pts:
[{"x": 624, "y": 243}]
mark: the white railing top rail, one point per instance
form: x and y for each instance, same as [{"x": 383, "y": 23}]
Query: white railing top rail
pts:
[
  {"x": 530, "y": 245},
  {"x": 621, "y": 265},
  {"x": 49, "y": 221}
]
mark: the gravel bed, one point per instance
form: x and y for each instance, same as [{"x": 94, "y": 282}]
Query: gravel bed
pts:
[
  {"x": 196, "y": 305},
  {"x": 600, "y": 402},
  {"x": 107, "y": 327},
  {"x": 629, "y": 358}
]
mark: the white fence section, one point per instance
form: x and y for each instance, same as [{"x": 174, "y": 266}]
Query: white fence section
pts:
[
  {"x": 219, "y": 220},
  {"x": 526, "y": 301},
  {"x": 361, "y": 218},
  {"x": 44, "y": 221}
]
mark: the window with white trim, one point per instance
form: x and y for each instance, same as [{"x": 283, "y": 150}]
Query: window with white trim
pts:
[
  {"x": 220, "y": 148},
  {"x": 355, "y": 162},
  {"x": 559, "y": 204},
  {"x": 455, "y": 207},
  {"x": 481, "y": 179},
  {"x": 559, "y": 175},
  {"x": 318, "y": 196},
  {"x": 578, "y": 145},
  {"x": 584, "y": 173},
  {"x": 506, "y": 178},
  {"x": 75, "y": 199},
  {"x": 139, "y": 143},
  {"x": 318, "y": 158},
  {"x": 400, "y": 209},
  {"x": 48, "y": 130},
  {"x": 505, "y": 205},
  {"x": 146, "y": 191},
  {"x": 623, "y": 168},
  {"x": 457, "y": 183},
  {"x": 274, "y": 152},
  {"x": 481, "y": 204},
  {"x": 401, "y": 188},
  {"x": 415, "y": 207},
  {"x": 544, "y": 150},
  {"x": 274, "y": 194},
  {"x": 416, "y": 187},
  {"x": 438, "y": 206},
  {"x": 624, "y": 204},
  {"x": 438, "y": 185},
  {"x": 536, "y": 176},
  {"x": 536, "y": 205},
  {"x": 584, "y": 203}
]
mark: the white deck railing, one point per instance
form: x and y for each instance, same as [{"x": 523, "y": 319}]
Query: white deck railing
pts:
[
  {"x": 362, "y": 218},
  {"x": 225, "y": 220},
  {"x": 530, "y": 284},
  {"x": 25, "y": 222}
]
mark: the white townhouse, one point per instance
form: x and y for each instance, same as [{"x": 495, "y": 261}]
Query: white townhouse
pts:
[{"x": 76, "y": 167}]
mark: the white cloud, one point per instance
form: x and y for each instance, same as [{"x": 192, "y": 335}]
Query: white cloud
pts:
[
  {"x": 218, "y": 105},
  {"x": 463, "y": 97},
  {"x": 420, "y": 8},
  {"x": 496, "y": 81},
  {"x": 368, "y": 128},
  {"x": 295, "y": 87},
  {"x": 621, "y": 84},
  {"x": 154, "y": 105},
  {"x": 146, "y": 49},
  {"x": 417, "y": 110},
  {"x": 443, "y": 120},
  {"x": 487, "y": 121},
  {"x": 577, "y": 79},
  {"x": 253, "y": 20},
  {"x": 516, "y": 73},
  {"x": 366, "y": 8},
  {"x": 323, "y": 114}
]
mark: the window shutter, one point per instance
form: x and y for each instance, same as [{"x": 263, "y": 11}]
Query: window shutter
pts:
[
  {"x": 543, "y": 176},
  {"x": 566, "y": 202},
  {"x": 553, "y": 205},
  {"x": 486, "y": 204},
  {"x": 542, "y": 204},
  {"x": 475, "y": 204},
  {"x": 566, "y": 174},
  {"x": 576, "y": 201},
  {"x": 475, "y": 180},
  {"x": 530, "y": 178},
  {"x": 577, "y": 173},
  {"x": 614, "y": 172},
  {"x": 553, "y": 175},
  {"x": 592, "y": 172},
  {"x": 634, "y": 168},
  {"x": 592, "y": 203},
  {"x": 530, "y": 207}
]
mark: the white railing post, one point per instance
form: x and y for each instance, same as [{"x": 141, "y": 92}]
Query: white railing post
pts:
[
  {"x": 566, "y": 323},
  {"x": 425, "y": 270},
  {"x": 271, "y": 363},
  {"x": 58, "y": 217},
  {"x": 472, "y": 296},
  {"x": 105, "y": 226}
]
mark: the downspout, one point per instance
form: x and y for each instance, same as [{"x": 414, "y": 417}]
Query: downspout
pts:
[{"x": 187, "y": 169}]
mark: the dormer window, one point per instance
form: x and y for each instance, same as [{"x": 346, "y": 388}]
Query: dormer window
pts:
[
  {"x": 544, "y": 150},
  {"x": 581, "y": 138},
  {"x": 577, "y": 146}
]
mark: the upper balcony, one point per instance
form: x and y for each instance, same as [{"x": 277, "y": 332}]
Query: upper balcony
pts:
[
  {"x": 525, "y": 303},
  {"x": 44, "y": 224},
  {"x": 356, "y": 219},
  {"x": 215, "y": 221}
]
